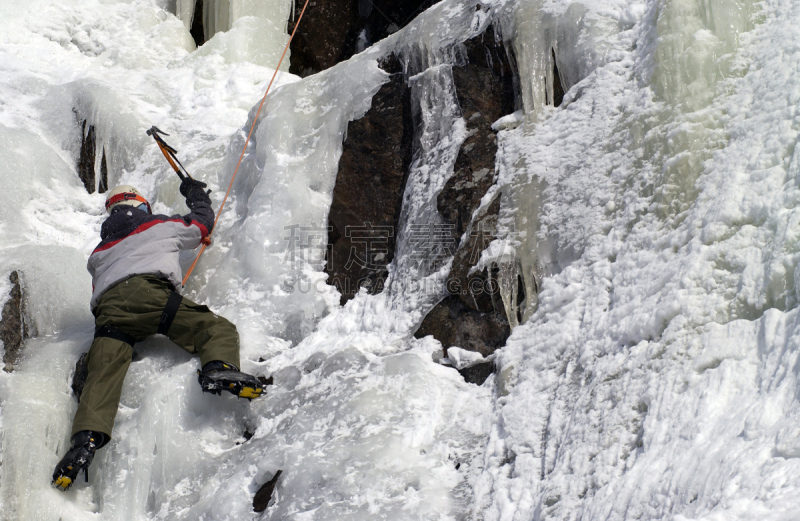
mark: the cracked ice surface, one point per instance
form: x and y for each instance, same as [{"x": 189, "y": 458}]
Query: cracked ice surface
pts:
[
  {"x": 654, "y": 377},
  {"x": 658, "y": 376},
  {"x": 360, "y": 418}
]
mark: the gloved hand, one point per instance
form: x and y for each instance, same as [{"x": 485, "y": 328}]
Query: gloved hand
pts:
[{"x": 188, "y": 185}]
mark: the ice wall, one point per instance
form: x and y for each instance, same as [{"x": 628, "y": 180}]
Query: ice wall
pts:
[
  {"x": 243, "y": 30},
  {"x": 577, "y": 39},
  {"x": 441, "y": 131},
  {"x": 123, "y": 67},
  {"x": 693, "y": 49},
  {"x": 653, "y": 380},
  {"x": 276, "y": 246},
  {"x": 359, "y": 410},
  {"x": 650, "y": 219},
  {"x": 539, "y": 31}
]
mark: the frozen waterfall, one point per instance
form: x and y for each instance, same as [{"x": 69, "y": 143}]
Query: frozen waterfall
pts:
[{"x": 647, "y": 255}]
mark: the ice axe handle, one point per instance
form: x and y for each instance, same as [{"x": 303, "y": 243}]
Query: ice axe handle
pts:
[{"x": 168, "y": 151}]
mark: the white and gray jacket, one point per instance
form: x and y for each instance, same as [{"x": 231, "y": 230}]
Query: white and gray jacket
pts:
[{"x": 137, "y": 243}]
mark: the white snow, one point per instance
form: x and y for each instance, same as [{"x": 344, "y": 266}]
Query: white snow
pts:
[
  {"x": 461, "y": 358},
  {"x": 657, "y": 376},
  {"x": 652, "y": 376}
]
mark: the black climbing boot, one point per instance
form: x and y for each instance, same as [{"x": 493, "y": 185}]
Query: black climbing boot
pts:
[
  {"x": 217, "y": 376},
  {"x": 78, "y": 458}
]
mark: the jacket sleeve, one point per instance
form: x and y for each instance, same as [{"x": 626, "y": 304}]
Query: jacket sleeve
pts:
[{"x": 201, "y": 215}]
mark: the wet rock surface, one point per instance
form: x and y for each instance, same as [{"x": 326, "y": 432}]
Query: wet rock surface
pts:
[
  {"x": 86, "y": 158},
  {"x": 477, "y": 290},
  {"x": 334, "y": 30},
  {"x": 13, "y": 323},
  {"x": 473, "y": 316},
  {"x": 369, "y": 191},
  {"x": 369, "y": 188},
  {"x": 86, "y": 162},
  {"x": 558, "y": 89},
  {"x": 197, "y": 31},
  {"x": 264, "y": 494},
  {"x": 485, "y": 91},
  {"x": 454, "y": 324}
]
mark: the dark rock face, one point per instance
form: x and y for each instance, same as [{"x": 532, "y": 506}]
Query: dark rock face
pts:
[
  {"x": 323, "y": 37},
  {"x": 334, "y": 30},
  {"x": 197, "y": 31},
  {"x": 454, "y": 324},
  {"x": 264, "y": 494},
  {"x": 369, "y": 188},
  {"x": 86, "y": 161},
  {"x": 380, "y": 18},
  {"x": 102, "y": 186},
  {"x": 558, "y": 90},
  {"x": 86, "y": 158},
  {"x": 485, "y": 91},
  {"x": 479, "y": 290},
  {"x": 369, "y": 191},
  {"x": 13, "y": 323},
  {"x": 473, "y": 316},
  {"x": 477, "y": 374}
]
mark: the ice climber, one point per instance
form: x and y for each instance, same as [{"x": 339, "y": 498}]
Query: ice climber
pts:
[{"x": 135, "y": 276}]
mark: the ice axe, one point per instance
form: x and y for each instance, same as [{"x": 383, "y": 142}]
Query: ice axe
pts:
[
  {"x": 176, "y": 165},
  {"x": 168, "y": 152}
]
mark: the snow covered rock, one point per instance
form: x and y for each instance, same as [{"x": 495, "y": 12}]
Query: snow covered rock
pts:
[{"x": 14, "y": 328}]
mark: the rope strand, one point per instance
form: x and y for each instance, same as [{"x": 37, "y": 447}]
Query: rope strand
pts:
[{"x": 207, "y": 240}]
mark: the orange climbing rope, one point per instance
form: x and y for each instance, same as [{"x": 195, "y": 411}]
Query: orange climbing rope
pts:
[{"x": 207, "y": 240}]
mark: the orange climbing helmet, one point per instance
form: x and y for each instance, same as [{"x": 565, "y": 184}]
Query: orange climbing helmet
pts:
[{"x": 126, "y": 195}]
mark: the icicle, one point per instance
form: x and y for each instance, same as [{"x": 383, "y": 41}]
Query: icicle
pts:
[
  {"x": 506, "y": 279},
  {"x": 442, "y": 130},
  {"x": 184, "y": 10}
]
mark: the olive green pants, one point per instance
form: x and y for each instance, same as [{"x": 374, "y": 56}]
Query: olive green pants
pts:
[{"x": 134, "y": 307}]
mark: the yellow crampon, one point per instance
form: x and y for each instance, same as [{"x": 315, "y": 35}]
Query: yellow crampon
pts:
[
  {"x": 250, "y": 392},
  {"x": 228, "y": 378},
  {"x": 246, "y": 392},
  {"x": 63, "y": 482}
]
